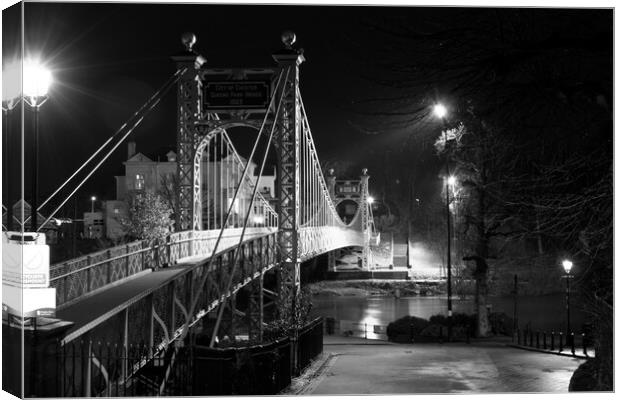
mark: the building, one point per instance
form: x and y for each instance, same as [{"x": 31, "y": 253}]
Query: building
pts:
[
  {"x": 157, "y": 172},
  {"x": 94, "y": 227}
]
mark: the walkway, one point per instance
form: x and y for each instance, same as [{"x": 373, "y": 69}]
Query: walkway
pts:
[
  {"x": 353, "y": 366},
  {"x": 92, "y": 309}
]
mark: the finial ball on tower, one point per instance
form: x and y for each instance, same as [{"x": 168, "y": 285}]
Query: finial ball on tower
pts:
[
  {"x": 288, "y": 38},
  {"x": 188, "y": 39},
  {"x": 364, "y": 171}
]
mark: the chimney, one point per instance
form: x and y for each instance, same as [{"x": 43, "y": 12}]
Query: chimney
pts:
[{"x": 131, "y": 149}]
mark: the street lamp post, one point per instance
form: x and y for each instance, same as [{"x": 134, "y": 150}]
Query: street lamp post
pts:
[
  {"x": 441, "y": 112},
  {"x": 567, "y": 265},
  {"x": 92, "y": 204},
  {"x": 37, "y": 80}
]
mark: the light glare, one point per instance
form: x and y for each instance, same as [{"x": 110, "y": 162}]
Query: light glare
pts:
[
  {"x": 452, "y": 180},
  {"x": 567, "y": 265},
  {"x": 440, "y": 110},
  {"x": 370, "y": 199},
  {"x": 37, "y": 80}
]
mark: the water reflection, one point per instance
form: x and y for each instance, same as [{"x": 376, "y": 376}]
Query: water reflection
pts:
[{"x": 540, "y": 312}]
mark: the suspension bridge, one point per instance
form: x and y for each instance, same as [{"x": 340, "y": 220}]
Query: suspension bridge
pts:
[{"x": 228, "y": 237}]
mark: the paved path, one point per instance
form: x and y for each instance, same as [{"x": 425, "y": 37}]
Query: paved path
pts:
[
  {"x": 356, "y": 367},
  {"x": 91, "y": 309}
]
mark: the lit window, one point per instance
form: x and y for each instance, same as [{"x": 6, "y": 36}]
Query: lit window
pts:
[
  {"x": 139, "y": 182},
  {"x": 116, "y": 211}
]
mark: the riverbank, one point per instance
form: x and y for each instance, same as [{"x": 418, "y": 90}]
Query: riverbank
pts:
[{"x": 378, "y": 287}]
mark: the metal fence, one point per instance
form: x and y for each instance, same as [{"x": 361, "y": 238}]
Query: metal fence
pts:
[
  {"x": 355, "y": 329},
  {"x": 308, "y": 344},
  {"x": 88, "y": 369},
  {"x": 263, "y": 369},
  {"x": 573, "y": 344}
]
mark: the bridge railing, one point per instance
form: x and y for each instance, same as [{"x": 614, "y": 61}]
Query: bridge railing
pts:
[
  {"x": 321, "y": 239},
  {"x": 78, "y": 277},
  {"x": 154, "y": 318}
]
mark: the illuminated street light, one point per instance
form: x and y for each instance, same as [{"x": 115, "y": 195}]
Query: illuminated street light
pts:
[
  {"x": 567, "y": 265},
  {"x": 452, "y": 180},
  {"x": 440, "y": 110},
  {"x": 370, "y": 199},
  {"x": 92, "y": 204},
  {"x": 37, "y": 81}
]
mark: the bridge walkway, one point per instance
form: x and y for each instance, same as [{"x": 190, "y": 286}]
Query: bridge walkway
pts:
[{"x": 92, "y": 310}]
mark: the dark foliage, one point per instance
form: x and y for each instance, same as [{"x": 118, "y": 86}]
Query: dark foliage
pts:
[
  {"x": 501, "y": 324},
  {"x": 466, "y": 321},
  {"x": 529, "y": 93},
  {"x": 585, "y": 377},
  {"x": 406, "y": 327}
]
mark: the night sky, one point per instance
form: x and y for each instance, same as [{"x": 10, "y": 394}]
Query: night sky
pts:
[{"x": 107, "y": 59}]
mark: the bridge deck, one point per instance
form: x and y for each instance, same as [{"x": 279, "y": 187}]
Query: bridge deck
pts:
[{"x": 90, "y": 310}]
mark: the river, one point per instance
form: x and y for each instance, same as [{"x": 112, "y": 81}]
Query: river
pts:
[{"x": 544, "y": 313}]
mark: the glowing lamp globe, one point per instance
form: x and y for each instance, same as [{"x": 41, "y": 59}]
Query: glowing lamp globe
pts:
[
  {"x": 370, "y": 199},
  {"x": 452, "y": 180},
  {"x": 189, "y": 40},
  {"x": 440, "y": 110},
  {"x": 37, "y": 80},
  {"x": 567, "y": 265},
  {"x": 288, "y": 38}
]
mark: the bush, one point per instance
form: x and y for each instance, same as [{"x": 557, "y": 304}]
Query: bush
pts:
[
  {"x": 584, "y": 378},
  {"x": 435, "y": 331},
  {"x": 460, "y": 322},
  {"x": 501, "y": 324},
  {"x": 405, "y": 327}
]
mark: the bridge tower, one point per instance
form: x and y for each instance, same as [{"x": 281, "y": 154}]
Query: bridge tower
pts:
[
  {"x": 356, "y": 191},
  {"x": 194, "y": 122},
  {"x": 288, "y": 126},
  {"x": 365, "y": 205},
  {"x": 188, "y": 113}
]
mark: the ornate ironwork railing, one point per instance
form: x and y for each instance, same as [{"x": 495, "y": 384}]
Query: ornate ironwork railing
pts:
[
  {"x": 321, "y": 239},
  {"x": 156, "y": 316},
  {"x": 78, "y": 277}
]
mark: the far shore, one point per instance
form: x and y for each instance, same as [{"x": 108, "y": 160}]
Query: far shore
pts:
[{"x": 378, "y": 287}]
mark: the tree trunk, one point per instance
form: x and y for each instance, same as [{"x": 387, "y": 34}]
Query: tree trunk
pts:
[{"x": 482, "y": 328}]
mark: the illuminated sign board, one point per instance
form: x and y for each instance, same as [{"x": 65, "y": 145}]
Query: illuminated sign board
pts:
[{"x": 231, "y": 95}]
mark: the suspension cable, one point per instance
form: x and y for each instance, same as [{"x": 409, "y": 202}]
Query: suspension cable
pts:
[
  {"x": 245, "y": 170},
  {"x": 245, "y": 223},
  {"x": 150, "y": 108},
  {"x": 321, "y": 178},
  {"x": 118, "y": 131}
]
